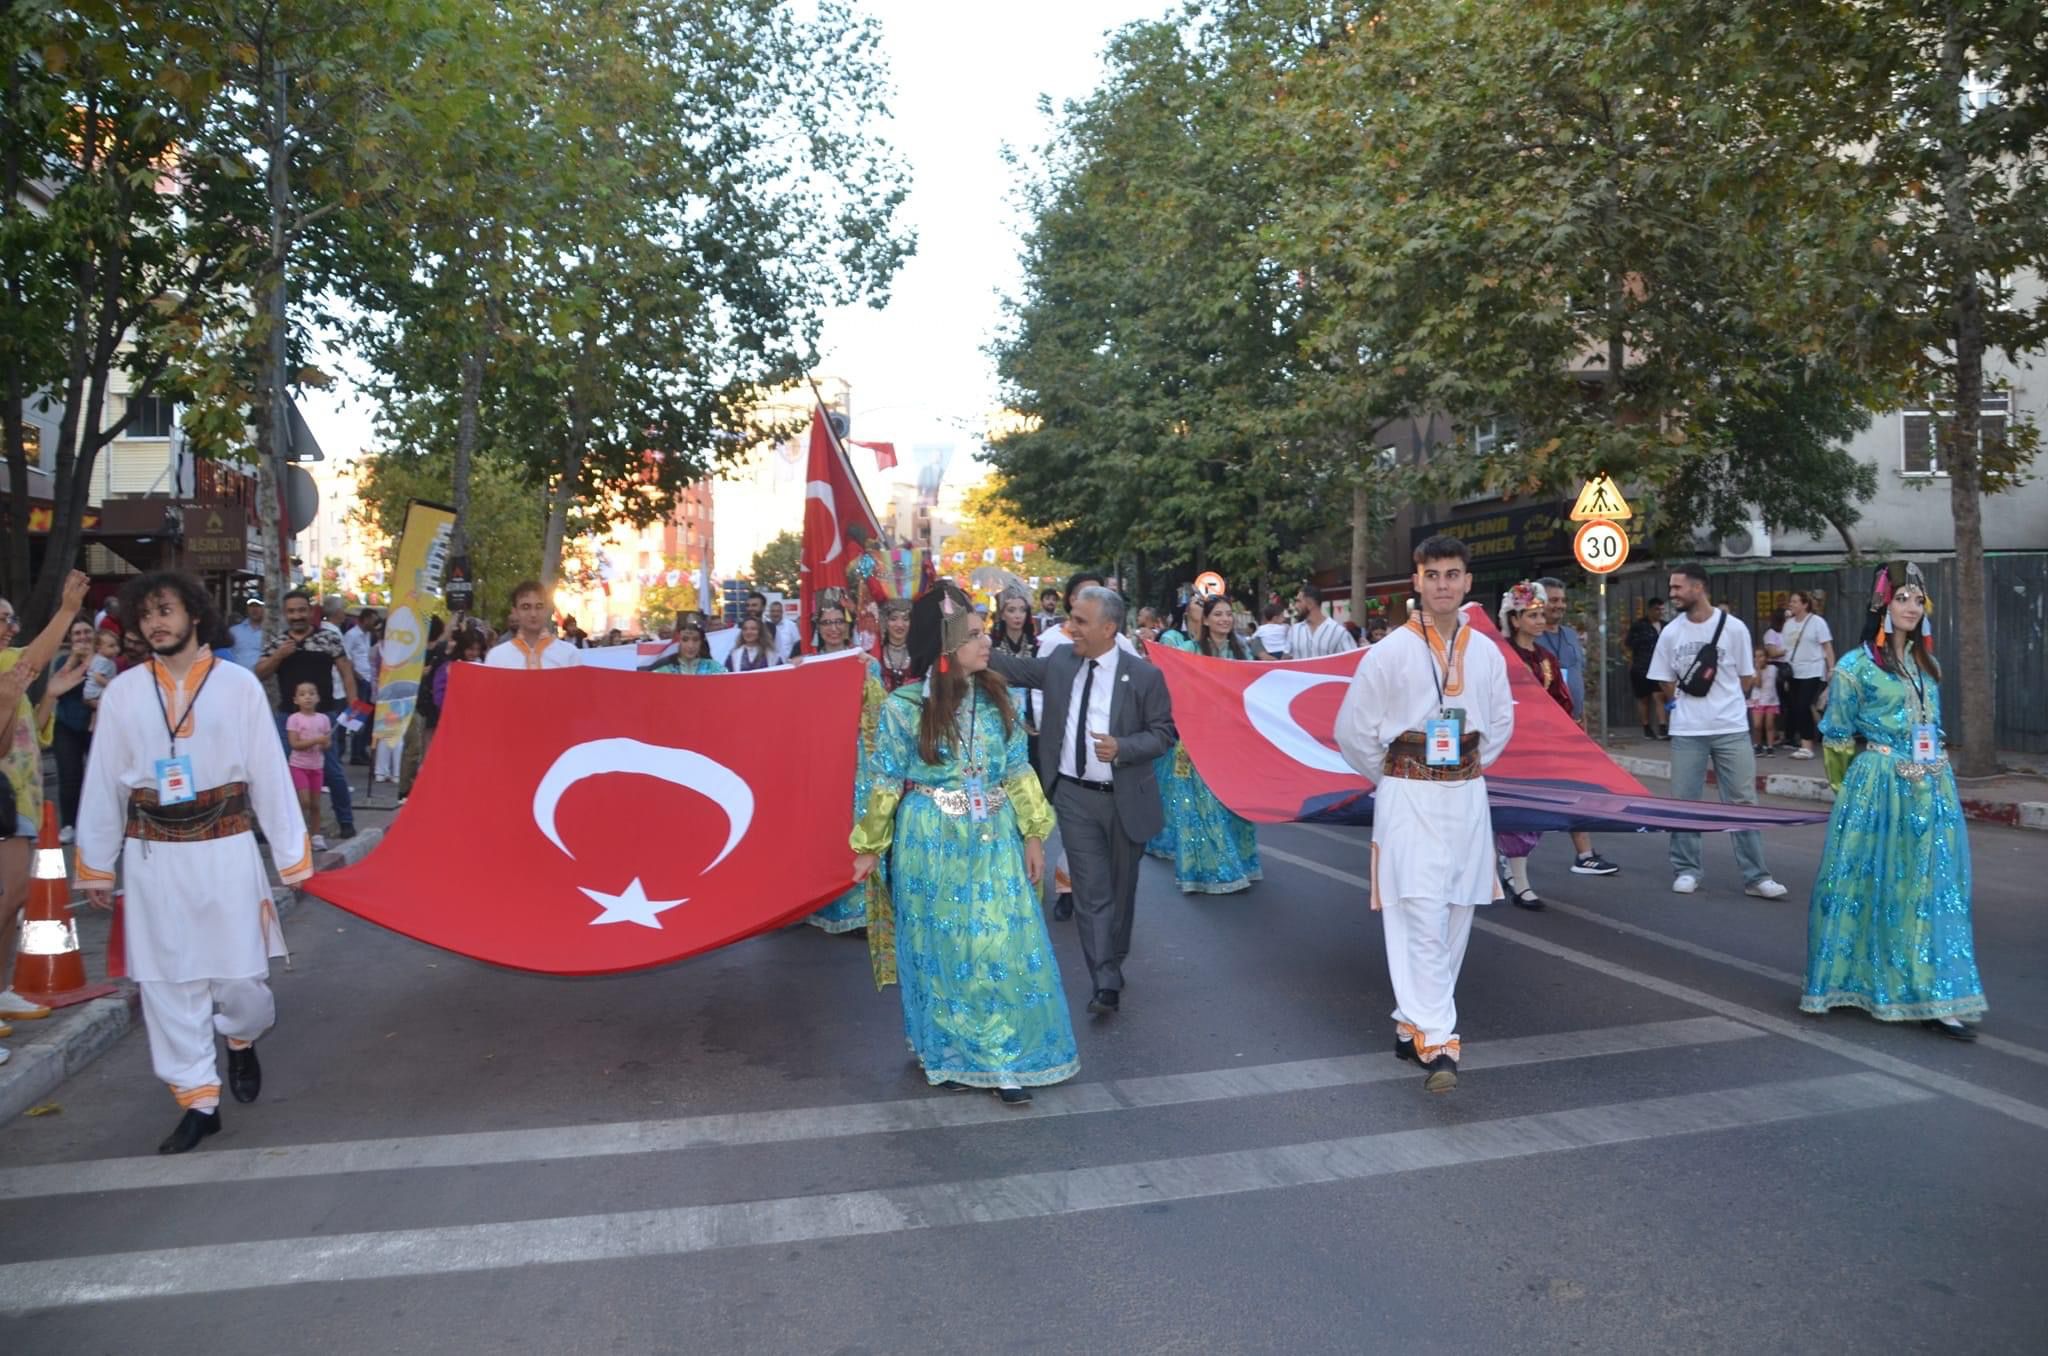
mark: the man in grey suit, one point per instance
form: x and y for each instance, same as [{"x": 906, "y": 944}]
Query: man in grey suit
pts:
[{"x": 1106, "y": 717}]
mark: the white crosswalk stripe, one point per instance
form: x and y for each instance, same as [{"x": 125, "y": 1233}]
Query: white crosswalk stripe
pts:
[{"x": 75, "y": 1281}]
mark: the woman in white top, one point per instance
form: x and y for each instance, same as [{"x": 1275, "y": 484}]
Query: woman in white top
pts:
[
  {"x": 1810, "y": 653},
  {"x": 755, "y": 648}
]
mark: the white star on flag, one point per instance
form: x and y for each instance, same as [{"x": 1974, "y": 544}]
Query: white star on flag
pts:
[{"x": 630, "y": 906}]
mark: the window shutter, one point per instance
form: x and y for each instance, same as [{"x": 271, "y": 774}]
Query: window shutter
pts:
[{"x": 1918, "y": 459}]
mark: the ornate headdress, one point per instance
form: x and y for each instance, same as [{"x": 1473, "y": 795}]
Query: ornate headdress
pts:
[
  {"x": 1520, "y": 598},
  {"x": 892, "y": 606},
  {"x": 1893, "y": 578},
  {"x": 941, "y": 620}
]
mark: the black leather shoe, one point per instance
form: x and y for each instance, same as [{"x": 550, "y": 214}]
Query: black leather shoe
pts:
[
  {"x": 1063, "y": 907},
  {"x": 1014, "y": 1096},
  {"x": 195, "y": 1126},
  {"x": 1526, "y": 899},
  {"x": 245, "y": 1075},
  {"x": 1105, "y": 1002},
  {"x": 1442, "y": 1074},
  {"x": 1405, "y": 1049},
  {"x": 1961, "y": 1031}
]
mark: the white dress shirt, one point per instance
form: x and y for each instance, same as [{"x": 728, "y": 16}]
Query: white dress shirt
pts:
[{"x": 1093, "y": 721}]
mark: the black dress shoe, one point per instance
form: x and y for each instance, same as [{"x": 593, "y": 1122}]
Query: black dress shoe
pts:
[
  {"x": 1105, "y": 1002},
  {"x": 1063, "y": 907},
  {"x": 1405, "y": 1049},
  {"x": 1959, "y": 1032},
  {"x": 1526, "y": 899},
  {"x": 195, "y": 1126},
  {"x": 245, "y": 1075},
  {"x": 1014, "y": 1096},
  {"x": 1441, "y": 1075}
]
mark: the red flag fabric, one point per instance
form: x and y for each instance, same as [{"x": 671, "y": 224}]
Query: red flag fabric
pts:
[
  {"x": 833, "y": 501},
  {"x": 582, "y": 821},
  {"x": 1262, "y": 736},
  {"x": 885, "y": 453}
]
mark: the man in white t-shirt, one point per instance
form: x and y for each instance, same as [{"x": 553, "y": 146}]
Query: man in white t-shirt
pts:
[
  {"x": 1711, "y": 727},
  {"x": 1316, "y": 633},
  {"x": 788, "y": 640},
  {"x": 530, "y": 646}
]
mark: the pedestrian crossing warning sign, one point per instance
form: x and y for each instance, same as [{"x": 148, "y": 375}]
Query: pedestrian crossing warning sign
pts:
[{"x": 1600, "y": 499}]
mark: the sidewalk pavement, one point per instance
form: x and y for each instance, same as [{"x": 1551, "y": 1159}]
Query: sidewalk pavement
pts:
[
  {"x": 2015, "y": 799},
  {"x": 48, "y": 1051}
]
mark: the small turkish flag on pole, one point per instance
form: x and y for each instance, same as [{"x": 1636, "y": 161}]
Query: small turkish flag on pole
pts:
[
  {"x": 885, "y": 453},
  {"x": 833, "y": 502}
]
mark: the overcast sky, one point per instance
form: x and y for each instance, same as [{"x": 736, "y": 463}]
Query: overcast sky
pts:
[{"x": 968, "y": 77}]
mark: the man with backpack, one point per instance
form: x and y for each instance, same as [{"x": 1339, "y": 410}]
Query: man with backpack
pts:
[{"x": 1706, "y": 663}]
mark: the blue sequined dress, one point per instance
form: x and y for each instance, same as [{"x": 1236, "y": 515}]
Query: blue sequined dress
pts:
[
  {"x": 982, "y": 1000},
  {"x": 1889, "y": 927},
  {"x": 1164, "y": 843},
  {"x": 850, "y": 910},
  {"x": 1214, "y": 851}
]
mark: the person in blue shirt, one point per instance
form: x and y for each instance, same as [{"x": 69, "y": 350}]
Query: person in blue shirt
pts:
[
  {"x": 1561, "y": 639},
  {"x": 246, "y": 635}
]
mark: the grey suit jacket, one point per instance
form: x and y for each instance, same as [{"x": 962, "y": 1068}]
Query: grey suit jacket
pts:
[{"x": 1140, "y": 717}]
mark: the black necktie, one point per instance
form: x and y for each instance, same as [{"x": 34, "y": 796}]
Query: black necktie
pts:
[{"x": 1081, "y": 723}]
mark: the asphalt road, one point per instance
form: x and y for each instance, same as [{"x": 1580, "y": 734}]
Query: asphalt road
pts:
[{"x": 1649, "y": 1149}]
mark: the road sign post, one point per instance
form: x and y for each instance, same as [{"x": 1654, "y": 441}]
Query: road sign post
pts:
[{"x": 1601, "y": 548}]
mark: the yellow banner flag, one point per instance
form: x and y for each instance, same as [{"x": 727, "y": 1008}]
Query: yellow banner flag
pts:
[{"x": 415, "y": 602}]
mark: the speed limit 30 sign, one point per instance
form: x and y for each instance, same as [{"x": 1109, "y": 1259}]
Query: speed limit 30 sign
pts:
[{"x": 1601, "y": 546}]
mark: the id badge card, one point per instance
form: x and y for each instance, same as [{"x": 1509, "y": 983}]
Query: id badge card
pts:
[
  {"x": 174, "y": 780},
  {"x": 1440, "y": 738},
  {"x": 977, "y": 800},
  {"x": 1926, "y": 744}
]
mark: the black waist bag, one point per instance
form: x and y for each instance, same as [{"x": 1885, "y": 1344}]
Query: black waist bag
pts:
[{"x": 1706, "y": 665}]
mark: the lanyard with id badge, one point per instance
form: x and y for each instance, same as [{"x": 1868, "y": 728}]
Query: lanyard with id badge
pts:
[
  {"x": 174, "y": 774},
  {"x": 1926, "y": 737},
  {"x": 975, "y": 784},
  {"x": 1442, "y": 737}
]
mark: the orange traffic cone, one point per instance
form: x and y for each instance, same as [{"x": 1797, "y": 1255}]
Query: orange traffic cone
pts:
[{"x": 49, "y": 968}]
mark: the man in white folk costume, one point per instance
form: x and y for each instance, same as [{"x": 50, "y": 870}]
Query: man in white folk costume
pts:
[
  {"x": 185, "y": 763},
  {"x": 1427, "y": 713}
]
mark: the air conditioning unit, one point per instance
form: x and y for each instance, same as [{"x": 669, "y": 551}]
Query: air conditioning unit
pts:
[{"x": 1749, "y": 541}]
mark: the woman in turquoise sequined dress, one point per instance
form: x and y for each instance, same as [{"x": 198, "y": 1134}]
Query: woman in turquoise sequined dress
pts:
[
  {"x": 1165, "y": 844},
  {"x": 958, "y": 809},
  {"x": 1214, "y": 851},
  {"x": 693, "y": 653},
  {"x": 849, "y": 912},
  {"x": 1889, "y": 928}
]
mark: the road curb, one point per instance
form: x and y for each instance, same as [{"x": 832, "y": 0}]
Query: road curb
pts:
[
  {"x": 81, "y": 1035},
  {"x": 2023, "y": 814}
]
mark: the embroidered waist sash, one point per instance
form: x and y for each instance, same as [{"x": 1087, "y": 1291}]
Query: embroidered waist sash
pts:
[{"x": 217, "y": 812}]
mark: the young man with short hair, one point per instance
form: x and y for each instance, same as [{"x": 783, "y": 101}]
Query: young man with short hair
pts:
[
  {"x": 1048, "y": 611},
  {"x": 185, "y": 766},
  {"x": 1315, "y": 633},
  {"x": 530, "y": 646},
  {"x": 1428, "y": 711},
  {"x": 1711, "y": 727}
]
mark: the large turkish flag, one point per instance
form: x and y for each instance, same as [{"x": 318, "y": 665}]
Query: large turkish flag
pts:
[
  {"x": 582, "y": 821},
  {"x": 1262, "y": 736}
]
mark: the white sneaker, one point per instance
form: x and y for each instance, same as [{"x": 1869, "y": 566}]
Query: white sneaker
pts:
[
  {"x": 319, "y": 843},
  {"x": 66, "y": 834},
  {"x": 1687, "y": 883},
  {"x": 1802, "y": 753},
  {"x": 15, "y": 1008},
  {"x": 4, "y": 1055},
  {"x": 1765, "y": 889}
]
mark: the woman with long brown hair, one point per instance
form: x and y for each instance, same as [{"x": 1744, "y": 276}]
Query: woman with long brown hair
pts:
[
  {"x": 958, "y": 809},
  {"x": 1214, "y": 852},
  {"x": 1889, "y": 929}
]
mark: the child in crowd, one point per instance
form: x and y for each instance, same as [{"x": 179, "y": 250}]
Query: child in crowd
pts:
[
  {"x": 1763, "y": 705},
  {"x": 308, "y": 732},
  {"x": 105, "y": 663}
]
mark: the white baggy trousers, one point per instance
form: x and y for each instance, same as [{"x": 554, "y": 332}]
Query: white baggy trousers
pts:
[{"x": 183, "y": 1018}]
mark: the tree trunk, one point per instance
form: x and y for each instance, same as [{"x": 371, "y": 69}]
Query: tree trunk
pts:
[
  {"x": 1361, "y": 549},
  {"x": 278, "y": 307},
  {"x": 1973, "y": 631},
  {"x": 465, "y": 446}
]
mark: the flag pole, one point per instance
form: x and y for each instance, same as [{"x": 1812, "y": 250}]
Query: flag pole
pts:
[{"x": 838, "y": 446}]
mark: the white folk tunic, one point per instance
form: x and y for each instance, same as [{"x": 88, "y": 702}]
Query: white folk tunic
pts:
[
  {"x": 192, "y": 911},
  {"x": 1431, "y": 840},
  {"x": 514, "y": 653}
]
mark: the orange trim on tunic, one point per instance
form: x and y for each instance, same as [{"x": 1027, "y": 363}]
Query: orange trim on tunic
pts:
[
  {"x": 188, "y": 1097},
  {"x": 1455, "y": 663},
  {"x": 93, "y": 873},
  {"x": 532, "y": 657},
  {"x": 173, "y": 689},
  {"x": 301, "y": 868}
]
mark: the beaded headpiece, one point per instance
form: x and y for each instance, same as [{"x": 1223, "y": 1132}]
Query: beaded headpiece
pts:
[
  {"x": 1894, "y": 576},
  {"x": 1520, "y": 598},
  {"x": 941, "y": 621}
]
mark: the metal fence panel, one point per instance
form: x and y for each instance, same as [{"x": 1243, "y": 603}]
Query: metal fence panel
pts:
[{"x": 2017, "y": 585}]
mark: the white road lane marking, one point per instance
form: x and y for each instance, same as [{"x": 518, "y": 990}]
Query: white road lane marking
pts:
[
  {"x": 1801, "y": 1030},
  {"x": 936, "y": 1111},
  {"x": 414, "y": 1253}
]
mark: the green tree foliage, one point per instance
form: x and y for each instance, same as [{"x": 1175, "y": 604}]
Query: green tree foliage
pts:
[
  {"x": 1154, "y": 342},
  {"x": 508, "y": 515},
  {"x": 778, "y": 566}
]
